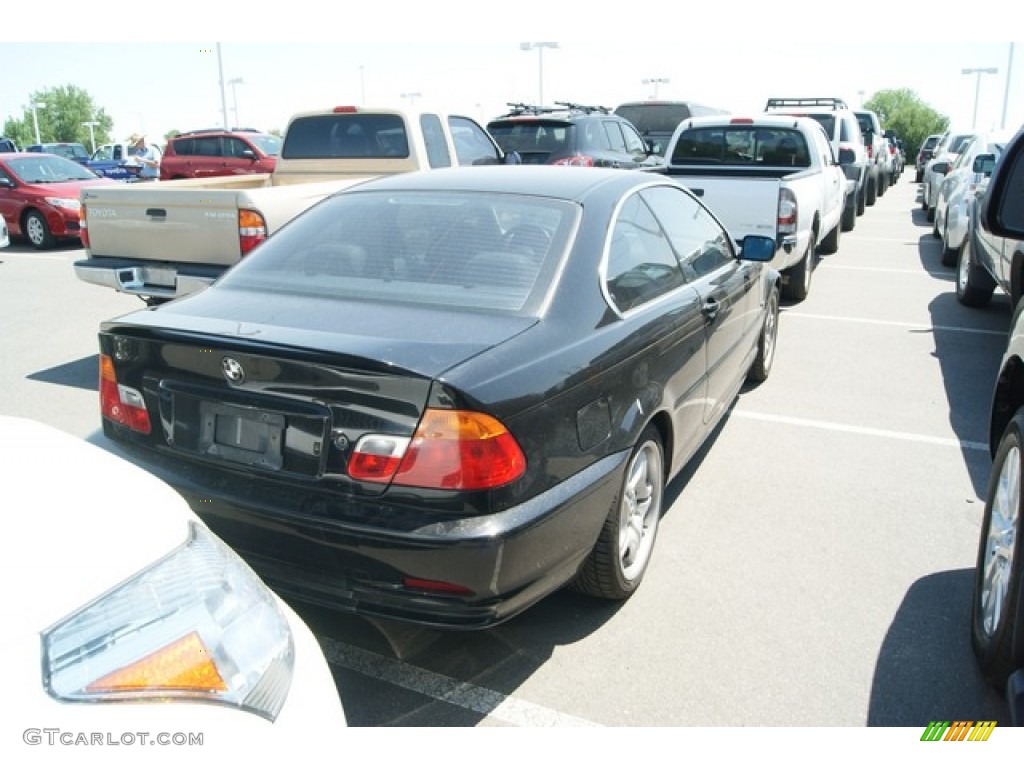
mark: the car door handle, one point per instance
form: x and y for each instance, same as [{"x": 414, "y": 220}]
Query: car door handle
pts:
[{"x": 710, "y": 309}]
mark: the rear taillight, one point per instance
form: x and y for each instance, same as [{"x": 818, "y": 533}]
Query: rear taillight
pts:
[
  {"x": 787, "y": 212},
  {"x": 252, "y": 230},
  {"x": 83, "y": 227},
  {"x": 451, "y": 450},
  {"x": 120, "y": 404},
  {"x": 582, "y": 161}
]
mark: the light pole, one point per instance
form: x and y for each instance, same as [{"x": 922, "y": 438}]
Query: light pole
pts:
[
  {"x": 540, "y": 65},
  {"x": 35, "y": 119},
  {"x": 411, "y": 96},
  {"x": 234, "y": 96},
  {"x": 655, "y": 81},
  {"x": 91, "y": 125},
  {"x": 978, "y": 71}
]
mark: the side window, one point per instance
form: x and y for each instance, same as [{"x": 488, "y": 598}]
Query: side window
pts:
[
  {"x": 437, "y": 148},
  {"x": 701, "y": 242},
  {"x": 825, "y": 150},
  {"x": 234, "y": 147},
  {"x": 614, "y": 133},
  {"x": 207, "y": 147},
  {"x": 183, "y": 147},
  {"x": 472, "y": 146},
  {"x": 634, "y": 144},
  {"x": 640, "y": 265}
]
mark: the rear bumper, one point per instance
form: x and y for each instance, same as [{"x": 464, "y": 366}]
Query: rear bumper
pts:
[
  {"x": 158, "y": 280},
  {"x": 299, "y": 542}
]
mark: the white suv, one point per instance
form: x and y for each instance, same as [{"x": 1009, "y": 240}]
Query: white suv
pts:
[{"x": 843, "y": 131}]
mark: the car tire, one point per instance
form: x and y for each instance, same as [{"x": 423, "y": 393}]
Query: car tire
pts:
[
  {"x": 38, "y": 231},
  {"x": 936, "y": 231},
  {"x": 872, "y": 193},
  {"x": 997, "y": 629},
  {"x": 830, "y": 244},
  {"x": 762, "y": 365},
  {"x": 862, "y": 198},
  {"x": 849, "y": 220},
  {"x": 616, "y": 565},
  {"x": 931, "y": 212},
  {"x": 798, "y": 283},
  {"x": 974, "y": 286},
  {"x": 918, "y": 177}
]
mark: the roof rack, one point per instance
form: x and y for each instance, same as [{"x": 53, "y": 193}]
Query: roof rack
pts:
[
  {"x": 582, "y": 108},
  {"x": 823, "y": 101},
  {"x": 519, "y": 108}
]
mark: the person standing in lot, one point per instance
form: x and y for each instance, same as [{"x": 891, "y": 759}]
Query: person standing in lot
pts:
[{"x": 147, "y": 157}]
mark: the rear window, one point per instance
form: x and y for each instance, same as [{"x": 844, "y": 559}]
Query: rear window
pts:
[
  {"x": 659, "y": 118},
  {"x": 741, "y": 145},
  {"x": 475, "y": 251},
  {"x": 529, "y": 136},
  {"x": 347, "y": 135}
]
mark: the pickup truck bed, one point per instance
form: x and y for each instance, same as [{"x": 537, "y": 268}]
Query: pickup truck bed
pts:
[{"x": 162, "y": 240}]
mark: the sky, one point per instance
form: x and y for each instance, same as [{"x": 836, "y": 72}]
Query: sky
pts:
[{"x": 310, "y": 59}]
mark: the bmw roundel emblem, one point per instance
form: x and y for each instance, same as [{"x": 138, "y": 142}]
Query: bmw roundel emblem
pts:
[{"x": 233, "y": 370}]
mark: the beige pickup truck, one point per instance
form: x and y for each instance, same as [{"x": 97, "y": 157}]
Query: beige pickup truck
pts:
[{"x": 161, "y": 240}]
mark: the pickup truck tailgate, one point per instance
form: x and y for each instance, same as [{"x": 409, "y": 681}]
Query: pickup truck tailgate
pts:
[
  {"x": 182, "y": 225},
  {"x": 745, "y": 207}
]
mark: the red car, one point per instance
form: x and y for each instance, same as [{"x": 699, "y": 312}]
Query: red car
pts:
[
  {"x": 39, "y": 196},
  {"x": 202, "y": 154}
]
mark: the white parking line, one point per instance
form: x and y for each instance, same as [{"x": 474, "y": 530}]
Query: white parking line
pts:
[
  {"x": 447, "y": 689},
  {"x": 833, "y": 426},
  {"x": 896, "y": 323}
]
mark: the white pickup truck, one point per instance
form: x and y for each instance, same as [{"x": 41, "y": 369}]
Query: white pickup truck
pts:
[
  {"x": 166, "y": 239},
  {"x": 769, "y": 175}
]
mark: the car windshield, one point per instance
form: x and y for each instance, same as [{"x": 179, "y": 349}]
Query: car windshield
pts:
[
  {"x": 48, "y": 169},
  {"x": 960, "y": 142},
  {"x": 70, "y": 151},
  {"x": 271, "y": 145},
  {"x": 477, "y": 251}
]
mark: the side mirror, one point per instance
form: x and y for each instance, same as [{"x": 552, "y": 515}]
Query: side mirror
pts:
[
  {"x": 757, "y": 248},
  {"x": 513, "y": 158},
  {"x": 941, "y": 167},
  {"x": 1002, "y": 206},
  {"x": 248, "y": 154},
  {"x": 984, "y": 164},
  {"x": 6, "y": 182}
]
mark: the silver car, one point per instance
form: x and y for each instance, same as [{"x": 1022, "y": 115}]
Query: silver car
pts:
[{"x": 946, "y": 153}]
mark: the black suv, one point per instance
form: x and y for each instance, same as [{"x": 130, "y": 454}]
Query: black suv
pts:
[
  {"x": 571, "y": 134},
  {"x": 7, "y": 145}
]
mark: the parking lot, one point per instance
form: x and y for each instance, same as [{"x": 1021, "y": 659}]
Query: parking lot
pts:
[{"x": 815, "y": 566}]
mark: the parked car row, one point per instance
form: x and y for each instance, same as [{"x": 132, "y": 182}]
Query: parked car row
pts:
[
  {"x": 965, "y": 178},
  {"x": 991, "y": 257}
]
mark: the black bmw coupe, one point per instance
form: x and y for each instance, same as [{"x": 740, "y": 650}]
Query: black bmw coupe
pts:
[{"x": 440, "y": 396}]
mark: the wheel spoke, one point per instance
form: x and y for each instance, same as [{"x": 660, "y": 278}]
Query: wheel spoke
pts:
[
  {"x": 1000, "y": 542},
  {"x": 639, "y": 510}
]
